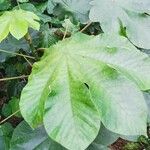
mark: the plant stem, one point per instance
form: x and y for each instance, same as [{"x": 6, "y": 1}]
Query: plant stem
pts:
[
  {"x": 13, "y": 53},
  {"x": 9, "y": 117},
  {"x": 13, "y": 78},
  {"x": 28, "y": 61},
  {"x": 86, "y": 27},
  {"x": 18, "y": 4},
  {"x": 41, "y": 49},
  {"x": 29, "y": 41},
  {"x": 65, "y": 32}
]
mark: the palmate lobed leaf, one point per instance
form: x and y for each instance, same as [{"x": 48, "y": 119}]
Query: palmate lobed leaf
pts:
[
  {"x": 78, "y": 8},
  {"x": 84, "y": 80},
  {"x": 17, "y": 23},
  {"x": 134, "y": 15}
]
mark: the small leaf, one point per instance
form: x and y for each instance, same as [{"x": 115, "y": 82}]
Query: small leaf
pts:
[
  {"x": 11, "y": 107},
  {"x": 6, "y": 110},
  {"x": 14, "y": 104},
  {"x": 41, "y": 7},
  {"x": 38, "y": 11},
  {"x": 17, "y": 23},
  {"x": 69, "y": 26},
  {"x": 48, "y": 37},
  {"x": 50, "y": 6}
]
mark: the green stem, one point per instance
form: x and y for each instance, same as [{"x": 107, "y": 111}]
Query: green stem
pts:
[
  {"x": 18, "y": 4},
  {"x": 13, "y": 53},
  {"x": 65, "y": 32},
  {"x": 9, "y": 117},
  {"x": 28, "y": 61},
  {"x": 86, "y": 27},
  {"x": 13, "y": 78},
  {"x": 29, "y": 41}
]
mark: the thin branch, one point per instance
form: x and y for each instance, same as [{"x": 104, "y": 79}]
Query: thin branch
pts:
[
  {"x": 13, "y": 53},
  {"x": 29, "y": 41},
  {"x": 86, "y": 27},
  {"x": 14, "y": 78},
  {"x": 65, "y": 32},
  {"x": 4, "y": 120},
  {"x": 18, "y": 4},
  {"x": 41, "y": 49},
  {"x": 28, "y": 61}
]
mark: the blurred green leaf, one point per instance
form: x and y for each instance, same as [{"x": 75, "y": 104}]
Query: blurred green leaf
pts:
[
  {"x": 25, "y": 138},
  {"x": 14, "y": 104},
  {"x": 38, "y": 10},
  {"x": 11, "y": 107},
  {"x": 70, "y": 27},
  {"x": 12, "y": 45},
  {"x": 17, "y": 22},
  {"x": 5, "y": 136},
  {"x": 6, "y": 110},
  {"x": 5, "y": 4},
  {"x": 78, "y": 9},
  {"x": 48, "y": 37},
  {"x": 41, "y": 7}
]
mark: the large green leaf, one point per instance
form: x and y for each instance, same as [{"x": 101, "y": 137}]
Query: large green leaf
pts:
[
  {"x": 17, "y": 22},
  {"x": 25, "y": 138},
  {"x": 79, "y": 9},
  {"x": 83, "y": 80},
  {"x": 131, "y": 13},
  {"x": 5, "y": 135}
]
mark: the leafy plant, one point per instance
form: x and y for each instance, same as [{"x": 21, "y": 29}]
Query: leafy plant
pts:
[
  {"x": 17, "y": 22},
  {"x": 87, "y": 76},
  {"x": 81, "y": 82}
]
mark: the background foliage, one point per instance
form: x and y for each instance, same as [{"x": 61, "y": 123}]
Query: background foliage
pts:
[{"x": 112, "y": 52}]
